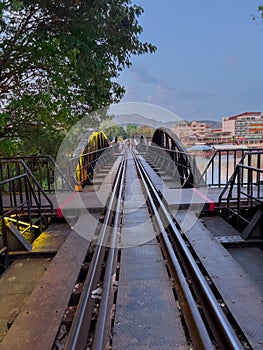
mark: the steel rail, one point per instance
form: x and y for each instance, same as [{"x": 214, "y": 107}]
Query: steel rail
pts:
[
  {"x": 229, "y": 335},
  {"x": 99, "y": 340},
  {"x": 198, "y": 333},
  {"x": 78, "y": 336}
]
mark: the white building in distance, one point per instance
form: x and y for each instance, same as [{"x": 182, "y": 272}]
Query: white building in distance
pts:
[{"x": 247, "y": 126}]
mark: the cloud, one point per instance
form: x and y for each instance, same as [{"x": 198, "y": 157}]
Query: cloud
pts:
[
  {"x": 144, "y": 76},
  {"x": 149, "y": 98},
  {"x": 231, "y": 61},
  {"x": 164, "y": 89},
  {"x": 186, "y": 103}
]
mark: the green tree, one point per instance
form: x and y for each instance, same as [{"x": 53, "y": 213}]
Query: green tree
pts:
[
  {"x": 112, "y": 129},
  {"x": 131, "y": 130},
  {"x": 260, "y": 9},
  {"x": 60, "y": 60},
  {"x": 146, "y": 130}
]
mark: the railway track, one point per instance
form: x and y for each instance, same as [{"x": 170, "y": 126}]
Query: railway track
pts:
[{"x": 90, "y": 322}]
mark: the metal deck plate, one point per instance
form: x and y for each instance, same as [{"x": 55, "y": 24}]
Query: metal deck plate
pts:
[
  {"x": 240, "y": 293},
  {"x": 230, "y": 239},
  {"x": 220, "y": 228},
  {"x": 251, "y": 259},
  {"x": 39, "y": 320},
  {"x": 52, "y": 238},
  {"x": 146, "y": 313},
  {"x": 16, "y": 285},
  {"x": 155, "y": 178}
]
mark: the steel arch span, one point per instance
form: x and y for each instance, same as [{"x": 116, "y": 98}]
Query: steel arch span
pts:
[
  {"x": 184, "y": 162},
  {"x": 85, "y": 156}
]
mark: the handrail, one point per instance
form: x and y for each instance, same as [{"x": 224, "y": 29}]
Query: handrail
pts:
[
  {"x": 19, "y": 200},
  {"x": 8, "y": 210},
  {"x": 43, "y": 168},
  {"x": 219, "y": 177},
  {"x": 81, "y": 168},
  {"x": 251, "y": 193},
  {"x": 61, "y": 174},
  {"x": 18, "y": 196},
  {"x": 185, "y": 163},
  {"x": 90, "y": 153},
  {"x": 231, "y": 181},
  {"x": 35, "y": 185},
  {"x": 238, "y": 176}
]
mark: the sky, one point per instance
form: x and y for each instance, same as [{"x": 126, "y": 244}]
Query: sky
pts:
[{"x": 208, "y": 62}]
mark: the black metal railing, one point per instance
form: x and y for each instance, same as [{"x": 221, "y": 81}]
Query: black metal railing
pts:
[
  {"x": 19, "y": 200},
  {"x": 252, "y": 159},
  {"x": 44, "y": 168},
  {"x": 11, "y": 205},
  {"x": 194, "y": 168},
  {"x": 181, "y": 166},
  {"x": 222, "y": 164},
  {"x": 82, "y": 169},
  {"x": 14, "y": 168},
  {"x": 244, "y": 190}
]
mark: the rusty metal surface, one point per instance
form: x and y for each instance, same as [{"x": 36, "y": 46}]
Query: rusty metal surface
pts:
[{"x": 241, "y": 294}]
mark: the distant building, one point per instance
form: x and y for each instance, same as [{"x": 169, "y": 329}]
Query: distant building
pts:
[
  {"x": 217, "y": 136},
  {"x": 246, "y": 127},
  {"x": 189, "y": 131},
  {"x": 199, "y": 129},
  {"x": 182, "y": 130},
  {"x": 228, "y": 125}
]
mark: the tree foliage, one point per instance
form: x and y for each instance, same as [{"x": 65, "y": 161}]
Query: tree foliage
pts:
[
  {"x": 59, "y": 60},
  {"x": 146, "y": 130},
  {"x": 112, "y": 129},
  {"x": 260, "y": 10},
  {"x": 131, "y": 130}
]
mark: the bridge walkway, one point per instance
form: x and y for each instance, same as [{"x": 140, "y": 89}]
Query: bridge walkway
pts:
[
  {"x": 146, "y": 315},
  {"x": 143, "y": 281}
]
